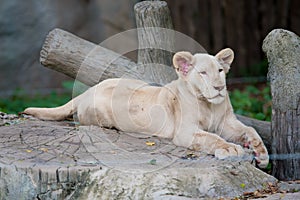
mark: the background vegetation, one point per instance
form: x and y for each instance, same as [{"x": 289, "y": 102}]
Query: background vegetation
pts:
[
  {"x": 253, "y": 102},
  {"x": 19, "y": 100}
]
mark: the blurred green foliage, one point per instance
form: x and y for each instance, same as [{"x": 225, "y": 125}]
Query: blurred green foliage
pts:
[
  {"x": 18, "y": 101},
  {"x": 251, "y": 101}
]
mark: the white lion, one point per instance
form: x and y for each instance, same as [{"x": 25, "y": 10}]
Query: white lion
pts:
[{"x": 194, "y": 110}]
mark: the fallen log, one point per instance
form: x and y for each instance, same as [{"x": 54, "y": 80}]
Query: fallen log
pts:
[{"x": 83, "y": 60}]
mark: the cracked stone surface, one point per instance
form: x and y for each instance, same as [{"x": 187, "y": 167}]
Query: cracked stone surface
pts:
[
  {"x": 58, "y": 160},
  {"x": 38, "y": 143}
]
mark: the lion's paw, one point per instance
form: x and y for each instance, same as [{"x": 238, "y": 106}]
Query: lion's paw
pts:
[
  {"x": 262, "y": 160},
  {"x": 232, "y": 150},
  {"x": 260, "y": 152},
  {"x": 255, "y": 143}
]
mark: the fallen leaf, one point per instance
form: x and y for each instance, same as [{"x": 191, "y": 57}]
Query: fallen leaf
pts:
[
  {"x": 243, "y": 185},
  {"x": 28, "y": 150},
  {"x": 150, "y": 143},
  {"x": 248, "y": 193},
  {"x": 190, "y": 156},
  {"x": 234, "y": 173},
  {"x": 44, "y": 149},
  {"x": 270, "y": 184},
  {"x": 152, "y": 162},
  {"x": 257, "y": 193}
]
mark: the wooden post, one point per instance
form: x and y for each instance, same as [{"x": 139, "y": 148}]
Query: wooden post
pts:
[
  {"x": 283, "y": 51},
  {"x": 156, "y": 41}
]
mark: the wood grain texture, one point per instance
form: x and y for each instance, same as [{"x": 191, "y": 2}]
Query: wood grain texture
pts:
[
  {"x": 83, "y": 60},
  {"x": 156, "y": 41},
  {"x": 282, "y": 48}
]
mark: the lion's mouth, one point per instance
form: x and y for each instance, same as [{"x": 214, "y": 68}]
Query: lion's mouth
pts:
[{"x": 219, "y": 95}]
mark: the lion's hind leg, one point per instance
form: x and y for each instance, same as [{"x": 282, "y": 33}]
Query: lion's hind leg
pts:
[{"x": 215, "y": 145}]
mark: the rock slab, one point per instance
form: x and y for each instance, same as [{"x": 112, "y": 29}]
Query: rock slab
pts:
[{"x": 59, "y": 160}]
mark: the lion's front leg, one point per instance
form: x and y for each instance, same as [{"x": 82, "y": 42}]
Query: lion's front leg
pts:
[
  {"x": 215, "y": 145},
  {"x": 237, "y": 132}
]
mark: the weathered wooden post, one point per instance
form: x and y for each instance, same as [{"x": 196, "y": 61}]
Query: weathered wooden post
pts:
[
  {"x": 156, "y": 40},
  {"x": 283, "y": 51}
]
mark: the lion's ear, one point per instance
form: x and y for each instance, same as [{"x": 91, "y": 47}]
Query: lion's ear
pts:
[
  {"x": 183, "y": 63},
  {"x": 225, "y": 57}
]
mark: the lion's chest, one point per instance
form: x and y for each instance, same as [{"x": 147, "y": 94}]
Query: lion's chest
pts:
[{"x": 211, "y": 118}]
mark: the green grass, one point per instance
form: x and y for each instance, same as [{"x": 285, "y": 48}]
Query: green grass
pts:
[
  {"x": 18, "y": 102},
  {"x": 251, "y": 102}
]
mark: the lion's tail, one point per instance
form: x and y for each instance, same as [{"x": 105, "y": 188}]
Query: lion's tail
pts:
[{"x": 57, "y": 113}]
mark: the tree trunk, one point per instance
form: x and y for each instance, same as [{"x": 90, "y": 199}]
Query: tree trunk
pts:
[
  {"x": 156, "y": 41},
  {"x": 283, "y": 51}
]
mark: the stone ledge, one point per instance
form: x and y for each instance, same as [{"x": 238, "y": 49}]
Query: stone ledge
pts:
[{"x": 57, "y": 160}]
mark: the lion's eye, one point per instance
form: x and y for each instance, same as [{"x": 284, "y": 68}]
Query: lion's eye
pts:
[
  {"x": 220, "y": 70},
  {"x": 203, "y": 73}
]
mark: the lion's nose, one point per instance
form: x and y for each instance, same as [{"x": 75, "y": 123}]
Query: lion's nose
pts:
[{"x": 219, "y": 88}]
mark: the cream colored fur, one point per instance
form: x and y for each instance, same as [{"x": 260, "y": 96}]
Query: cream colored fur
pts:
[{"x": 194, "y": 110}]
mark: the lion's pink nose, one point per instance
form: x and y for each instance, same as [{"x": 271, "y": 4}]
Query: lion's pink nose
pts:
[{"x": 219, "y": 88}]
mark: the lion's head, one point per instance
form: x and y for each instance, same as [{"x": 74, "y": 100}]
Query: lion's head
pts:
[{"x": 205, "y": 73}]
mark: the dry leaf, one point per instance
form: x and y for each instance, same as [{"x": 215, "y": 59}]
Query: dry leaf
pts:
[
  {"x": 152, "y": 162},
  {"x": 248, "y": 193},
  {"x": 28, "y": 150},
  {"x": 44, "y": 149},
  {"x": 190, "y": 156},
  {"x": 150, "y": 143},
  {"x": 234, "y": 173}
]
